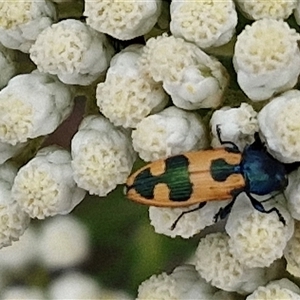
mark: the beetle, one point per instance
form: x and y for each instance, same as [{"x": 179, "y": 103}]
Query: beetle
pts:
[{"x": 208, "y": 175}]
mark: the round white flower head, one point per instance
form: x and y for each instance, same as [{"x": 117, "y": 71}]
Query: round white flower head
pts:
[
  {"x": 32, "y": 105},
  {"x": 74, "y": 285},
  {"x": 279, "y": 123},
  {"x": 13, "y": 220},
  {"x": 123, "y": 20},
  {"x": 102, "y": 155},
  {"x": 21, "y": 21},
  {"x": 21, "y": 254},
  {"x": 63, "y": 242},
  {"x": 73, "y": 51},
  {"x": 164, "y": 219},
  {"x": 191, "y": 77},
  {"x": 257, "y": 239},
  {"x": 8, "y": 64},
  {"x": 218, "y": 266},
  {"x": 292, "y": 193},
  {"x": 278, "y": 289},
  {"x": 272, "y": 9},
  {"x": 267, "y": 58},
  {"x": 45, "y": 186},
  {"x": 22, "y": 293},
  {"x": 183, "y": 283},
  {"x": 237, "y": 125},
  {"x": 128, "y": 95},
  {"x": 208, "y": 23},
  {"x": 292, "y": 252},
  {"x": 169, "y": 132}
]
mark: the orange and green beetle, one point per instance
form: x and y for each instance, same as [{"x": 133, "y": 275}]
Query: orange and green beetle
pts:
[{"x": 208, "y": 175}]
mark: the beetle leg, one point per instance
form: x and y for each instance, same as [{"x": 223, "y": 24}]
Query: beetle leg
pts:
[
  {"x": 234, "y": 146},
  {"x": 258, "y": 206},
  {"x": 186, "y": 212},
  {"x": 224, "y": 211}
]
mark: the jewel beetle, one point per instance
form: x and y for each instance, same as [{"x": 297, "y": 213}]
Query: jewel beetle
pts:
[{"x": 208, "y": 175}]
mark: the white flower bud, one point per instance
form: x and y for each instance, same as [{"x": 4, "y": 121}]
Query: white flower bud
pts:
[
  {"x": 123, "y": 20},
  {"x": 32, "y": 105},
  {"x": 281, "y": 133},
  {"x": 205, "y": 23},
  {"x": 267, "y": 58},
  {"x": 20, "y": 254},
  {"x": 129, "y": 95},
  {"x": 102, "y": 155},
  {"x": 191, "y": 77},
  {"x": 66, "y": 231},
  {"x": 74, "y": 285},
  {"x": 237, "y": 125},
  {"x": 21, "y": 21},
  {"x": 45, "y": 186},
  {"x": 170, "y": 132},
  {"x": 73, "y": 51}
]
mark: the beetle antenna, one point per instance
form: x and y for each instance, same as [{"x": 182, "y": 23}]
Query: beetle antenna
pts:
[
  {"x": 186, "y": 212},
  {"x": 234, "y": 146}
]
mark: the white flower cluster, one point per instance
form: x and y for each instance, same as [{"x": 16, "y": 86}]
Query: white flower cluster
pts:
[
  {"x": 173, "y": 131},
  {"x": 60, "y": 242},
  {"x": 73, "y": 51},
  {"x": 247, "y": 252},
  {"x": 205, "y": 23},
  {"x": 45, "y": 186},
  {"x": 192, "y": 78},
  {"x": 127, "y": 96},
  {"x": 102, "y": 155},
  {"x": 267, "y": 58},
  {"x": 281, "y": 134},
  {"x": 273, "y": 9},
  {"x": 238, "y": 125},
  {"x": 123, "y": 20},
  {"x": 32, "y": 105},
  {"x": 22, "y": 21},
  {"x": 258, "y": 239},
  {"x": 222, "y": 269}
]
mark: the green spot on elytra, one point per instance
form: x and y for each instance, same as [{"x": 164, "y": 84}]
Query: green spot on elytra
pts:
[{"x": 176, "y": 177}]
